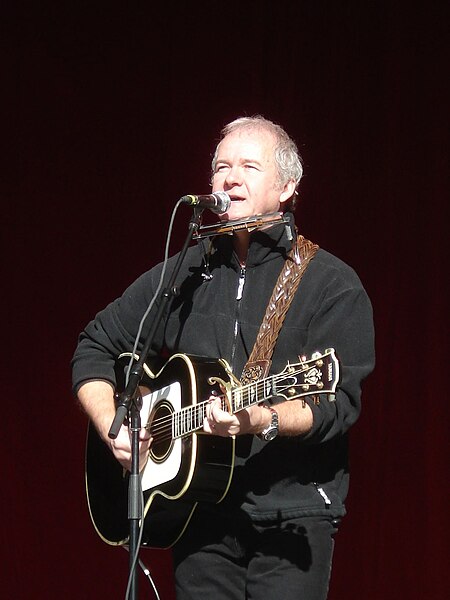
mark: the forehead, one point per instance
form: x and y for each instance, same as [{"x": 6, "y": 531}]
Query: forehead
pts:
[{"x": 256, "y": 144}]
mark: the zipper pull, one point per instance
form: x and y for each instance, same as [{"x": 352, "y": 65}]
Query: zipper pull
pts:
[
  {"x": 323, "y": 494},
  {"x": 241, "y": 284}
]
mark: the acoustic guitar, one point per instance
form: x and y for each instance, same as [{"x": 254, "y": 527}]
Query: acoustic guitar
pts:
[{"x": 186, "y": 466}]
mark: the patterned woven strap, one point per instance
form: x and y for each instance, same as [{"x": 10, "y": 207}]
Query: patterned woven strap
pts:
[{"x": 288, "y": 281}]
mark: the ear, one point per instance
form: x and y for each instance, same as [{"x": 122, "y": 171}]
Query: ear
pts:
[{"x": 288, "y": 191}]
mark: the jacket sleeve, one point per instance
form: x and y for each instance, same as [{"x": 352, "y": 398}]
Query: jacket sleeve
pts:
[
  {"x": 110, "y": 333},
  {"x": 343, "y": 320}
]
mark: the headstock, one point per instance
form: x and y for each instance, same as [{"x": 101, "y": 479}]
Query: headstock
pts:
[{"x": 318, "y": 375}]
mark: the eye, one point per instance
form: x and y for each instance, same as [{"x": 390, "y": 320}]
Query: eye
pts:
[{"x": 220, "y": 168}]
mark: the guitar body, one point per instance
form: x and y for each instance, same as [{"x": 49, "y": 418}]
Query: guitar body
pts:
[
  {"x": 181, "y": 470},
  {"x": 186, "y": 466}
]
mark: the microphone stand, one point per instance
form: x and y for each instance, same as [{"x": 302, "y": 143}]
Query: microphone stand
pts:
[{"x": 129, "y": 403}]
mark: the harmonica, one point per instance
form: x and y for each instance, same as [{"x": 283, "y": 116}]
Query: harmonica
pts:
[{"x": 249, "y": 224}]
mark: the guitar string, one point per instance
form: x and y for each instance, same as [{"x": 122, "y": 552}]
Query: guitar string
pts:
[
  {"x": 161, "y": 428},
  {"x": 190, "y": 411}
]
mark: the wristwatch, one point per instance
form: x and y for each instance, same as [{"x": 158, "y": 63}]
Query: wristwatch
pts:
[{"x": 271, "y": 431}]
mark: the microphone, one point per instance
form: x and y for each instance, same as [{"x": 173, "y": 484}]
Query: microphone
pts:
[{"x": 218, "y": 202}]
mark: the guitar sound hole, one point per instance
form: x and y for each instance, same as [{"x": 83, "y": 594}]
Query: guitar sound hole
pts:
[{"x": 161, "y": 430}]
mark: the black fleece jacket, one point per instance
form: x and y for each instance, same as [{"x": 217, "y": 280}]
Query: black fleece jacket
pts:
[{"x": 290, "y": 476}]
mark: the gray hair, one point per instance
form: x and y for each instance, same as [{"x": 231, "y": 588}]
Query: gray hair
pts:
[{"x": 287, "y": 158}]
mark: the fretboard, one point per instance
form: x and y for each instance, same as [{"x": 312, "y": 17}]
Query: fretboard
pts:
[
  {"x": 190, "y": 419},
  {"x": 252, "y": 393}
]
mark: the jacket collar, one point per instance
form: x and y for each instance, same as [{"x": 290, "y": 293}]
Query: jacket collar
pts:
[{"x": 265, "y": 245}]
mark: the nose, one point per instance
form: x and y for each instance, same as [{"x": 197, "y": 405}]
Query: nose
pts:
[{"x": 234, "y": 176}]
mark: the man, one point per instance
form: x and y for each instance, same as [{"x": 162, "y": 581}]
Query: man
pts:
[{"x": 272, "y": 535}]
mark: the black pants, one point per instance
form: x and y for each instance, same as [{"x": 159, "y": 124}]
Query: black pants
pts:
[{"x": 233, "y": 559}]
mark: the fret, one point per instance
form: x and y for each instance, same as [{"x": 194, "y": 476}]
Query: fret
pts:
[
  {"x": 186, "y": 420},
  {"x": 189, "y": 420},
  {"x": 176, "y": 425},
  {"x": 253, "y": 393},
  {"x": 182, "y": 421},
  {"x": 246, "y": 396},
  {"x": 268, "y": 387},
  {"x": 238, "y": 399},
  {"x": 200, "y": 415}
]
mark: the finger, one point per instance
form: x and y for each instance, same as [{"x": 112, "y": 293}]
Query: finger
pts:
[
  {"x": 217, "y": 414},
  {"x": 144, "y": 434},
  {"x": 208, "y": 425}
]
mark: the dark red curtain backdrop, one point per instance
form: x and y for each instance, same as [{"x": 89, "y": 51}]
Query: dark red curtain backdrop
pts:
[{"x": 110, "y": 114}]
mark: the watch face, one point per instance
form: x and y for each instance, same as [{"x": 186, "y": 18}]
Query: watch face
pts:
[
  {"x": 271, "y": 434},
  {"x": 271, "y": 431}
]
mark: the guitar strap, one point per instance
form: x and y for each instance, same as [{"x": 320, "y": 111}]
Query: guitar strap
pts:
[{"x": 297, "y": 260}]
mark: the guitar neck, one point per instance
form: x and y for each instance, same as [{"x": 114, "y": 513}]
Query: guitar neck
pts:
[
  {"x": 252, "y": 393},
  {"x": 319, "y": 375},
  {"x": 190, "y": 419}
]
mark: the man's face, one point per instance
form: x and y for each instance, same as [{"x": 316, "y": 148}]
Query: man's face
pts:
[{"x": 246, "y": 170}]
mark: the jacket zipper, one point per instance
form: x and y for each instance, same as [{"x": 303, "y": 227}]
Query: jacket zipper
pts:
[
  {"x": 240, "y": 291},
  {"x": 322, "y": 493}
]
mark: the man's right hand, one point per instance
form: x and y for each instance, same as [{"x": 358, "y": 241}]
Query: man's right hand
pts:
[
  {"x": 97, "y": 399},
  {"x": 121, "y": 447}
]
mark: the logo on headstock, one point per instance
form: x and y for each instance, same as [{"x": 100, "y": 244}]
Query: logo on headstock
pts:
[{"x": 313, "y": 376}]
